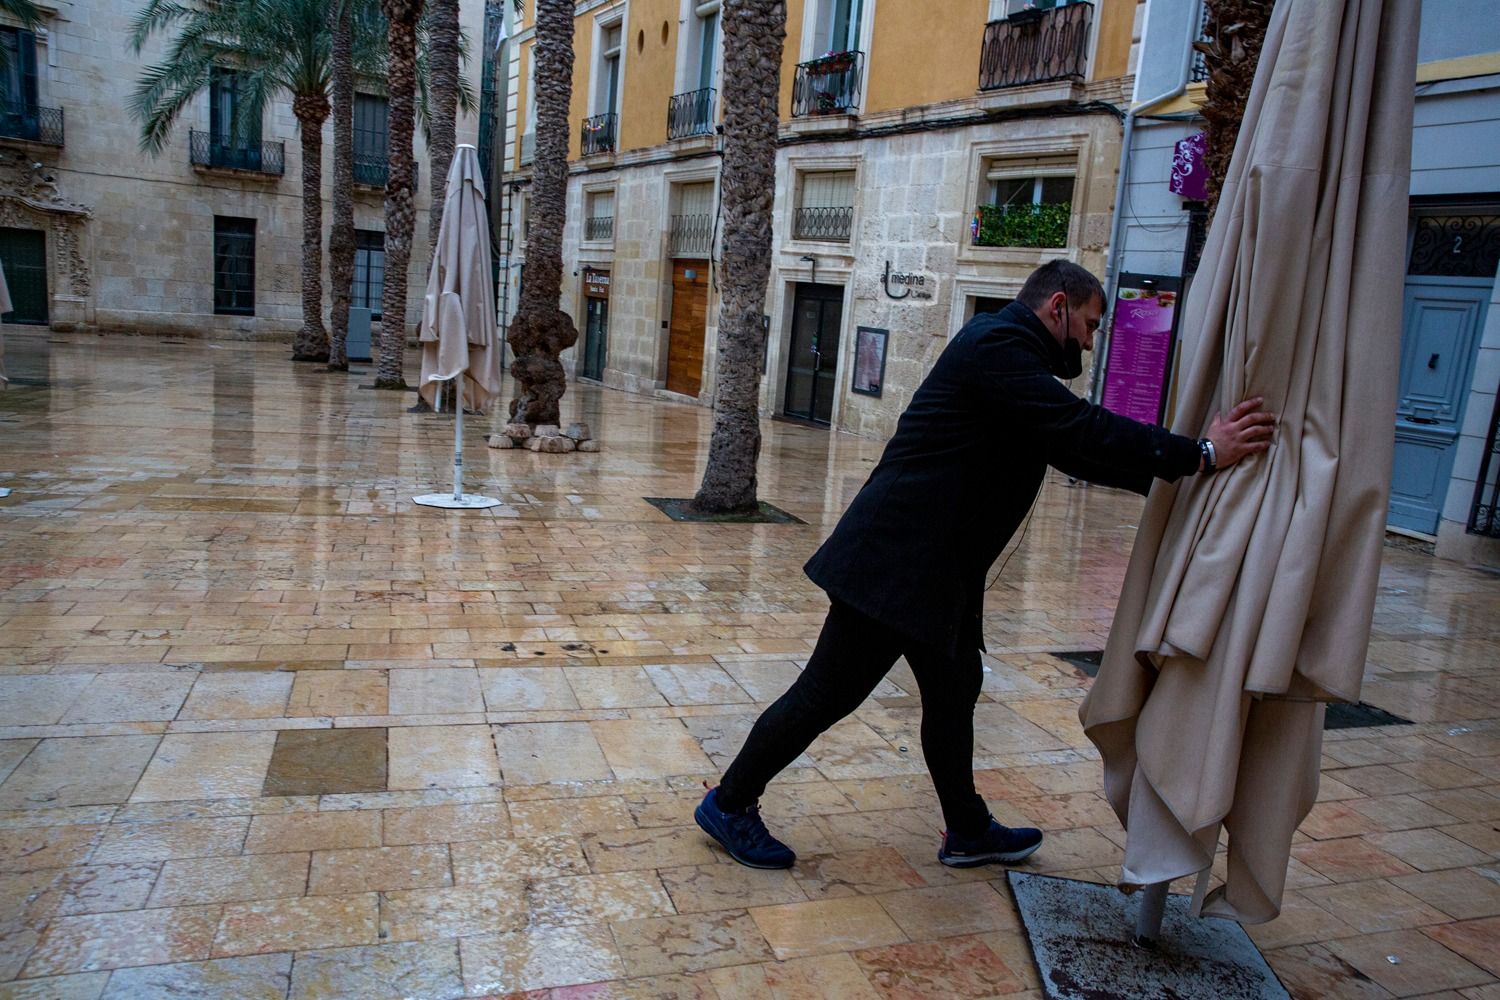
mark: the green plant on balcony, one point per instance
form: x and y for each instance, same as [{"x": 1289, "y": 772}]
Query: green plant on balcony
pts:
[{"x": 1023, "y": 225}]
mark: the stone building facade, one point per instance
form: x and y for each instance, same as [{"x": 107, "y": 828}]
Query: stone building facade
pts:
[
  {"x": 909, "y": 145},
  {"x": 96, "y": 234},
  {"x": 1445, "y": 487}
]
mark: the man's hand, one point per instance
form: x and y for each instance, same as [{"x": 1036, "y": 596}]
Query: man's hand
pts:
[{"x": 1245, "y": 430}]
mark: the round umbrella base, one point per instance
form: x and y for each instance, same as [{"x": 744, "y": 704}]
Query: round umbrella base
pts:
[{"x": 469, "y": 501}]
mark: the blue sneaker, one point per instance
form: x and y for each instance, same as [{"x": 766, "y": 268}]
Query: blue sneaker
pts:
[
  {"x": 742, "y": 834},
  {"x": 998, "y": 844}
]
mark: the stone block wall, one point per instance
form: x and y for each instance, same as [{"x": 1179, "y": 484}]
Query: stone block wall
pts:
[{"x": 150, "y": 218}]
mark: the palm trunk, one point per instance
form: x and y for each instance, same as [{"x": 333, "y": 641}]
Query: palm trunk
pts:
[
  {"x": 400, "y": 214},
  {"x": 311, "y": 343},
  {"x": 753, "y": 34},
  {"x": 1236, "y": 32},
  {"x": 341, "y": 240},
  {"x": 541, "y": 331},
  {"x": 442, "y": 68}
]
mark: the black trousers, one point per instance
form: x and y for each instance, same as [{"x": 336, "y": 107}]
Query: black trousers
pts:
[{"x": 853, "y": 653}]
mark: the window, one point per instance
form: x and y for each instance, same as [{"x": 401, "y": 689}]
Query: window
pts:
[
  {"x": 825, "y": 206},
  {"x": 708, "y": 41},
  {"x": 1001, "y": 9},
  {"x": 837, "y": 26},
  {"x": 600, "y": 221},
  {"x": 371, "y": 140},
  {"x": 18, "y": 78},
  {"x": 1028, "y": 203},
  {"x": 528, "y": 137},
  {"x": 223, "y": 110},
  {"x": 607, "y": 79},
  {"x": 20, "y": 118},
  {"x": 369, "y": 270},
  {"x": 692, "y": 231},
  {"x": 234, "y": 266}
]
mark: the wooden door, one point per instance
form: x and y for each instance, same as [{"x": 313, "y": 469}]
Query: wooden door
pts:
[{"x": 689, "y": 322}]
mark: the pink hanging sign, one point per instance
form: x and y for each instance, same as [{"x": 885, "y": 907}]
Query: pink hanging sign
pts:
[{"x": 1189, "y": 174}]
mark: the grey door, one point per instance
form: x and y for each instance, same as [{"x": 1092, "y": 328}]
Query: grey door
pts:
[
  {"x": 1441, "y": 324},
  {"x": 595, "y": 337},
  {"x": 814, "y": 352},
  {"x": 23, "y": 254}
]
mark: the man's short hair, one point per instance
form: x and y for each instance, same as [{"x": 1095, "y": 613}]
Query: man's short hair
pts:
[{"x": 1060, "y": 276}]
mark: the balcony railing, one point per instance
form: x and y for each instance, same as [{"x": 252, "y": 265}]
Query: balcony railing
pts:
[
  {"x": 1036, "y": 46},
  {"x": 598, "y": 133},
  {"x": 1484, "y": 516},
  {"x": 31, "y": 124},
  {"x": 1198, "y": 68},
  {"x": 828, "y": 85},
  {"x": 691, "y": 235},
  {"x": 829, "y": 223},
  {"x": 691, "y": 113},
  {"x": 599, "y": 227},
  {"x": 208, "y": 150},
  {"x": 374, "y": 170}
]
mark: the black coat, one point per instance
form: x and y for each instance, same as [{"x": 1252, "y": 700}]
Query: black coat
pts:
[{"x": 962, "y": 470}]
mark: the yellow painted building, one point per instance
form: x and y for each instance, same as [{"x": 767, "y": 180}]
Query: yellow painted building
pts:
[{"x": 931, "y": 155}]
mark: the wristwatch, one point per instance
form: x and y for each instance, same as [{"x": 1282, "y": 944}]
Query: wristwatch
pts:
[{"x": 1210, "y": 457}]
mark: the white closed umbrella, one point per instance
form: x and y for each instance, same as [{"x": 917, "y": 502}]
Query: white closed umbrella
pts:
[
  {"x": 460, "y": 341},
  {"x": 1249, "y": 596}
]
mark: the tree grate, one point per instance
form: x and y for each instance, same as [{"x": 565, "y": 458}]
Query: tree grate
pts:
[
  {"x": 681, "y": 509},
  {"x": 1341, "y": 715}
]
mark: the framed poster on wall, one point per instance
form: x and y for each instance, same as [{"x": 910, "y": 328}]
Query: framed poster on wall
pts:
[
  {"x": 869, "y": 360},
  {"x": 1142, "y": 337}
]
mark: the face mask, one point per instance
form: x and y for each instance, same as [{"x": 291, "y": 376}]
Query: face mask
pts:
[
  {"x": 1072, "y": 365},
  {"x": 1072, "y": 358}
]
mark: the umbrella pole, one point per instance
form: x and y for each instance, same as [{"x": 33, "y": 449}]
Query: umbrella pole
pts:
[
  {"x": 1148, "y": 917},
  {"x": 458, "y": 444}
]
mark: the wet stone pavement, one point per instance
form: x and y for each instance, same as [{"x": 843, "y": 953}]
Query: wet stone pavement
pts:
[{"x": 267, "y": 729}]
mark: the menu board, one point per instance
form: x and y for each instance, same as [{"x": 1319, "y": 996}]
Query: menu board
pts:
[{"x": 1140, "y": 347}]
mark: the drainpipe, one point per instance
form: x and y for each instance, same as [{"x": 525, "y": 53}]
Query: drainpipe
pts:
[{"x": 1117, "y": 225}]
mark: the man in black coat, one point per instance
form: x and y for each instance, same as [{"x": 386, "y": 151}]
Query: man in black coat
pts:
[{"x": 905, "y": 567}]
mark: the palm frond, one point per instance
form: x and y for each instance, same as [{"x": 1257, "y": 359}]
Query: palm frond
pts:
[{"x": 28, "y": 13}]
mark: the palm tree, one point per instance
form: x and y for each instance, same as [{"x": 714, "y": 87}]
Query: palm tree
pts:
[
  {"x": 276, "y": 46},
  {"x": 753, "y": 34},
  {"x": 442, "y": 75},
  {"x": 341, "y": 239},
  {"x": 541, "y": 331},
  {"x": 27, "y": 13},
  {"x": 1235, "y": 30},
  {"x": 400, "y": 213}
]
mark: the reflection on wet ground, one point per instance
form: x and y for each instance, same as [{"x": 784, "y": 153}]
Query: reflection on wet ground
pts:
[{"x": 269, "y": 729}]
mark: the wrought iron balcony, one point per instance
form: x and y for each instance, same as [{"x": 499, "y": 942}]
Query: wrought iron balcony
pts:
[
  {"x": 691, "y": 235},
  {"x": 1484, "y": 515},
  {"x": 373, "y": 170},
  {"x": 598, "y": 135},
  {"x": 1035, "y": 46},
  {"x": 830, "y": 223},
  {"x": 212, "y": 151},
  {"x": 828, "y": 85},
  {"x": 599, "y": 227},
  {"x": 31, "y": 124},
  {"x": 691, "y": 113}
]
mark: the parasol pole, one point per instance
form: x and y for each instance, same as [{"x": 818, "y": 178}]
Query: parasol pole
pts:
[
  {"x": 1148, "y": 917},
  {"x": 458, "y": 445}
]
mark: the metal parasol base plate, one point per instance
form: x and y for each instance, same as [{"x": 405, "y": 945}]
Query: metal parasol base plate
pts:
[
  {"x": 469, "y": 501},
  {"x": 1080, "y": 935}
]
